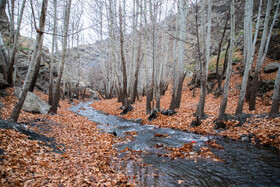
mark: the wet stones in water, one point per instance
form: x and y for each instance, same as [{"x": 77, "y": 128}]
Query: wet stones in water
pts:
[
  {"x": 153, "y": 115},
  {"x": 168, "y": 112},
  {"x": 246, "y": 138},
  {"x": 126, "y": 110},
  {"x": 113, "y": 133},
  {"x": 139, "y": 120},
  {"x": 158, "y": 145},
  {"x": 161, "y": 135}
]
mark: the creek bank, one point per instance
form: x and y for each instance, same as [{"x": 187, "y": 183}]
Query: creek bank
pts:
[
  {"x": 265, "y": 129},
  {"x": 210, "y": 160}
]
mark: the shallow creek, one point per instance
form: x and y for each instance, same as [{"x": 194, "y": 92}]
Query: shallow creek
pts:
[{"x": 243, "y": 164}]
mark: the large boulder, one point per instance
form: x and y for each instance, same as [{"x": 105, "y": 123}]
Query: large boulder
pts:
[
  {"x": 33, "y": 103},
  {"x": 272, "y": 67}
]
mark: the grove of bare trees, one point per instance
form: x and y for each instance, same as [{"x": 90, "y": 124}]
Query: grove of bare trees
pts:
[{"x": 144, "y": 47}]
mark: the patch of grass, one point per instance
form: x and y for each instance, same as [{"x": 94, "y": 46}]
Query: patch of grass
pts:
[
  {"x": 212, "y": 63},
  {"x": 23, "y": 48},
  {"x": 191, "y": 67},
  {"x": 237, "y": 57}
]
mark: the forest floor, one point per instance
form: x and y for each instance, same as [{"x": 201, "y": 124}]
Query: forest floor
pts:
[
  {"x": 253, "y": 126},
  {"x": 68, "y": 150}
]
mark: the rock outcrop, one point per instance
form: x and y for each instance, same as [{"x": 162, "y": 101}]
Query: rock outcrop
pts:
[
  {"x": 272, "y": 67},
  {"x": 33, "y": 103},
  {"x": 24, "y": 56}
]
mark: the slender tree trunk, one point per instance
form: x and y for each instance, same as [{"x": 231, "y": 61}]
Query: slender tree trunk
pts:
[
  {"x": 15, "y": 46},
  {"x": 199, "y": 65},
  {"x": 276, "y": 95},
  {"x": 3, "y": 58},
  {"x": 124, "y": 90},
  {"x": 52, "y": 54},
  {"x": 65, "y": 33},
  {"x": 181, "y": 51},
  {"x": 136, "y": 75},
  {"x": 37, "y": 69},
  {"x": 11, "y": 11},
  {"x": 205, "y": 61},
  {"x": 16, "y": 111},
  {"x": 175, "y": 58},
  {"x": 69, "y": 92},
  {"x": 218, "y": 92},
  {"x": 224, "y": 97},
  {"x": 248, "y": 18},
  {"x": 147, "y": 65},
  {"x": 262, "y": 54}
]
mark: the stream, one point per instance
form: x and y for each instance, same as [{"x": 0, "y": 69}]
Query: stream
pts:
[{"x": 243, "y": 164}]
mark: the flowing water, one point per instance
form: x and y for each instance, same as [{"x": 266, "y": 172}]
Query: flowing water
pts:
[{"x": 244, "y": 164}]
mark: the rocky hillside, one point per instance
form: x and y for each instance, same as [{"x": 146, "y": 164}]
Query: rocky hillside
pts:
[
  {"x": 23, "y": 60},
  {"x": 90, "y": 55},
  {"x": 24, "y": 56}
]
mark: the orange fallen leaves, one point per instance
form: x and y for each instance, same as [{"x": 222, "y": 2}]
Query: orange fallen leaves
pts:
[
  {"x": 88, "y": 156},
  {"x": 266, "y": 130}
]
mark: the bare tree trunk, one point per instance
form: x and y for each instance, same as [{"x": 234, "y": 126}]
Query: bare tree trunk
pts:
[
  {"x": 199, "y": 65},
  {"x": 218, "y": 91},
  {"x": 16, "y": 111},
  {"x": 124, "y": 89},
  {"x": 221, "y": 76},
  {"x": 15, "y": 46},
  {"x": 248, "y": 18},
  {"x": 37, "y": 68},
  {"x": 205, "y": 61},
  {"x": 65, "y": 33},
  {"x": 175, "y": 59},
  {"x": 224, "y": 97},
  {"x": 3, "y": 58},
  {"x": 11, "y": 11},
  {"x": 69, "y": 92},
  {"x": 52, "y": 54},
  {"x": 136, "y": 75},
  {"x": 181, "y": 51},
  {"x": 262, "y": 54},
  {"x": 148, "y": 77},
  {"x": 276, "y": 95}
]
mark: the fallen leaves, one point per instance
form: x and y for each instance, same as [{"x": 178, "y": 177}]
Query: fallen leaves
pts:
[
  {"x": 88, "y": 158},
  {"x": 264, "y": 130},
  {"x": 187, "y": 151},
  {"x": 213, "y": 144},
  {"x": 162, "y": 135}
]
